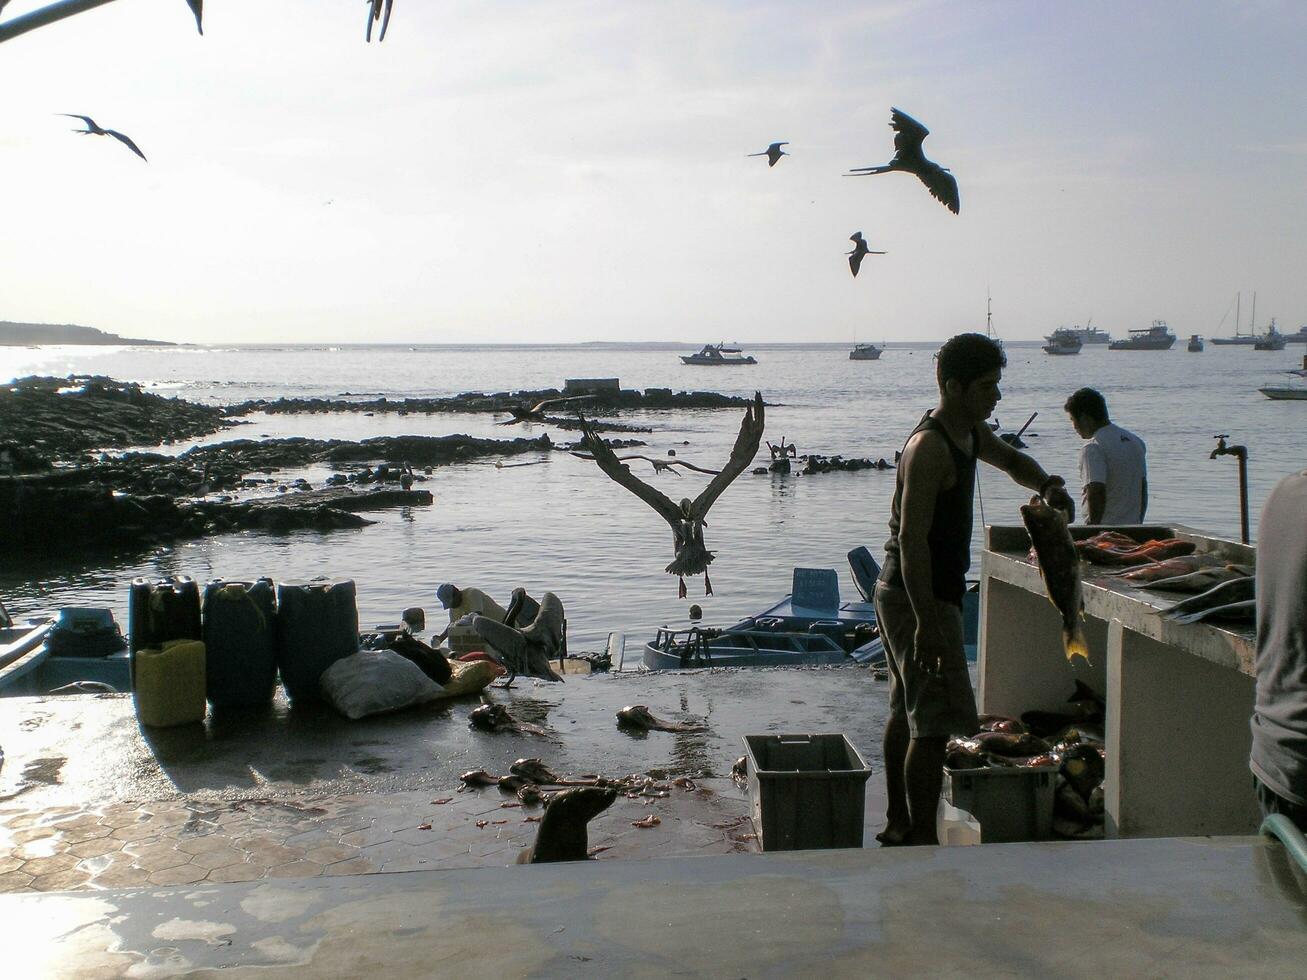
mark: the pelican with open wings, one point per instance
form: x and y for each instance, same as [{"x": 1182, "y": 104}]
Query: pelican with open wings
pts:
[
  {"x": 659, "y": 465},
  {"x": 689, "y": 516},
  {"x": 536, "y": 412}
]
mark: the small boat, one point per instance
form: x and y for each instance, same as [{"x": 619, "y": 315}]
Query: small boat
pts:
[
  {"x": 1272, "y": 340},
  {"x": 1195, "y": 344},
  {"x": 1156, "y": 337},
  {"x": 1290, "y": 392},
  {"x": 34, "y": 660},
  {"x": 865, "y": 352},
  {"x": 1063, "y": 341},
  {"x": 1299, "y": 336},
  {"x": 1240, "y": 339},
  {"x": 718, "y": 355}
]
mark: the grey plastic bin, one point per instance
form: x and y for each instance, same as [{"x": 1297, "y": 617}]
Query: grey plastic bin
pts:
[
  {"x": 1011, "y": 804},
  {"x": 806, "y": 791}
]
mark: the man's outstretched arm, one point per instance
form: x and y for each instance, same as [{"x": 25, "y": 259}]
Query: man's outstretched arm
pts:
[{"x": 1024, "y": 470}]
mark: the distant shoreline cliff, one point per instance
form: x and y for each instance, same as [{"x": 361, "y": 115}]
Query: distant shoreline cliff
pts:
[{"x": 22, "y": 334}]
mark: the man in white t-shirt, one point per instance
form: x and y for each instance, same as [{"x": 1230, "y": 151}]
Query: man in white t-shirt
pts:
[{"x": 1113, "y": 467}]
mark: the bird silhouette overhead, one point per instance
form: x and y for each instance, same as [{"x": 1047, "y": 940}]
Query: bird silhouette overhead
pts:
[
  {"x": 374, "y": 14},
  {"x": 772, "y": 153},
  {"x": 687, "y": 518},
  {"x": 95, "y": 129},
  {"x": 859, "y": 250},
  {"x": 908, "y": 157},
  {"x": 659, "y": 465},
  {"x": 536, "y": 412}
]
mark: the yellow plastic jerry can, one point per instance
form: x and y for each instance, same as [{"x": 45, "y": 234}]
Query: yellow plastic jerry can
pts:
[{"x": 170, "y": 684}]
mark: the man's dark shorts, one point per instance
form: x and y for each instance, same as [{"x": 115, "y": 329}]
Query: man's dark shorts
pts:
[
  {"x": 937, "y": 705},
  {"x": 1273, "y": 802}
]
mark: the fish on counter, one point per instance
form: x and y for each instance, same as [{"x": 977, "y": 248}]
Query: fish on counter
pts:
[
  {"x": 1156, "y": 550},
  {"x": 1200, "y": 580},
  {"x": 1236, "y": 591},
  {"x": 1170, "y": 567},
  {"x": 1059, "y": 566},
  {"x": 1245, "y": 611}
]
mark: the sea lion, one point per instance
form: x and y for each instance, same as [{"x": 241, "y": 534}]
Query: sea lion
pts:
[
  {"x": 639, "y": 716},
  {"x": 491, "y": 717},
  {"x": 562, "y": 835},
  {"x": 511, "y": 784}
]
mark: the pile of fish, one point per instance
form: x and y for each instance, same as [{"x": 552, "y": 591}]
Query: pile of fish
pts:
[
  {"x": 1187, "y": 573},
  {"x": 1115, "y": 548},
  {"x": 1070, "y": 742}
]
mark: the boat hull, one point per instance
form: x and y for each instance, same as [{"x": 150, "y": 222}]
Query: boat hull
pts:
[
  {"x": 1285, "y": 394},
  {"x": 868, "y": 353},
  {"x": 753, "y": 649},
  {"x": 715, "y": 361},
  {"x": 1149, "y": 344}
]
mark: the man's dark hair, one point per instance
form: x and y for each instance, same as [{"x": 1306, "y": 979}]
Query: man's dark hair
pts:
[
  {"x": 966, "y": 357},
  {"x": 1089, "y": 402}
]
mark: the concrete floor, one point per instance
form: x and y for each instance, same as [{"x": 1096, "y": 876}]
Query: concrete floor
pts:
[
  {"x": 89, "y": 800},
  {"x": 1216, "y": 907}
]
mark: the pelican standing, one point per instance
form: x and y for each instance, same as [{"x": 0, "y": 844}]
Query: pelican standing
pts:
[{"x": 909, "y": 158}]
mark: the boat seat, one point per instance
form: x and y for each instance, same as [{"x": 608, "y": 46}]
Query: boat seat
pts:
[
  {"x": 815, "y": 588},
  {"x": 865, "y": 571}
]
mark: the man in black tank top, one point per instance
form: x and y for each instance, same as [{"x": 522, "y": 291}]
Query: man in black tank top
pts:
[{"x": 919, "y": 594}]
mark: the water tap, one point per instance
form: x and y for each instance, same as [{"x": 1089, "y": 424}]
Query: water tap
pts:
[{"x": 1223, "y": 450}]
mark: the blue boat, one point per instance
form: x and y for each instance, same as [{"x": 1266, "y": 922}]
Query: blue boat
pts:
[
  {"x": 809, "y": 627},
  {"x": 45, "y": 655}
]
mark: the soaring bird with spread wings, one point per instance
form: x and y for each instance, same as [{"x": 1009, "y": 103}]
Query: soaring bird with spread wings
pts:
[
  {"x": 536, "y": 412},
  {"x": 909, "y": 135},
  {"x": 860, "y": 249},
  {"x": 689, "y": 516},
  {"x": 659, "y": 465},
  {"x": 95, "y": 129}
]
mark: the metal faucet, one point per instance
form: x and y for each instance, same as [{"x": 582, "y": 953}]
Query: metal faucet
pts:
[{"x": 1241, "y": 454}]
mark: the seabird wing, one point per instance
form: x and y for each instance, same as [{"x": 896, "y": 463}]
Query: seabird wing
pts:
[
  {"x": 746, "y": 447},
  {"x": 91, "y": 126},
  {"x": 197, "y": 8},
  {"x": 691, "y": 466},
  {"x": 385, "y": 21},
  {"x": 855, "y": 262},
  {"x": 620, "y": 473},
  {"x": 908, "y": 132},
  {"x": 539, "y": 406},
  {"x": 942, "y": 185},
  {"x": 126, "y": 141}
]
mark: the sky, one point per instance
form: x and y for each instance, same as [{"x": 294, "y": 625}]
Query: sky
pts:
[{"x": 577, "y": 171}]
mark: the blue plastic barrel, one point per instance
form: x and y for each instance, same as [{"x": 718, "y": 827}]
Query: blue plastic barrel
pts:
[
  {"x": 240, "y": 643},
  {"x": 317, "y": 624},
  {"x": 159, "y": 610}
]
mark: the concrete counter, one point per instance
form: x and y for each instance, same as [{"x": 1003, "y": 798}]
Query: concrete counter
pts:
[{"x": 1178, "y": 696}]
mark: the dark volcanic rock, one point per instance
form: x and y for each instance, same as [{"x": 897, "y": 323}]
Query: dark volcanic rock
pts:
[
  {"x": 63, "y": 418},
  {"x": 474, "y": 401}
]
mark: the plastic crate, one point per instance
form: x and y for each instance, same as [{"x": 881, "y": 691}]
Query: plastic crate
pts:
[
  {"x": 1011, "y": 804},
  {"x": 806, "y": 791},
  {"x": 463, "y": 640}
]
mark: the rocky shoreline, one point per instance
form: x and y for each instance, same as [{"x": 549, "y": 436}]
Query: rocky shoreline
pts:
[{"x": 59, "y": 486}]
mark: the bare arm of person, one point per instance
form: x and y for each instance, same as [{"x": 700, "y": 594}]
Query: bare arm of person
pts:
[
  {"x": 1096, "y": 498},
  {"x": 1024, "y": 470},
  {"x": 927, "y": 469}
]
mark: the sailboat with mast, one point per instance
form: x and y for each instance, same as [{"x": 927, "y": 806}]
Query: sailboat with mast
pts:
[{"x": 1239, "y": 339}]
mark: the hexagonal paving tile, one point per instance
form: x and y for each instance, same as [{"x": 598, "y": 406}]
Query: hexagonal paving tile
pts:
[
  {"x": 330, "y": 853},
  {"x": 49, "y": 865},
  {"x": 296, "y": 869},
  {"x": 221, "y": 857},
  {"x": 354, "y": 866},
  {"x": 237, "y": 872},
  {"x": 161, "y": 856},
  {"x": 183, "y": 875},
  {"x": 10, "y": 863},
  {"x": 14, "y": 881},
  {"x": 32, "y": 834},
  {"x": 119, "y": 875},
  {"x": 60, "y": 881}
]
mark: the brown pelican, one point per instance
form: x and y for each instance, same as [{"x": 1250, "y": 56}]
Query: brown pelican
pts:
[
  {"x": 659, "y": 465},
  {"x": 536, "y": 412},
  {"x": 94, "y": 129},
  {"x": 689, "y": 516},
  {"x": 374, "y": 13},
  {"x": 526, "y": 649},
  {"x": 859, "y": 250},
  {"x": 197, "y": 8},
  {"x": 909, "y": 158},
  {"x": 772, "y": 153}
]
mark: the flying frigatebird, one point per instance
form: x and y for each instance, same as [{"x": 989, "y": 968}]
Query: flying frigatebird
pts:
[
  {"x": 908, "y": 157},
  {"x": 95, "y": 129},
  {"x": 772, "y": 153},
  {"x": 859, "y": 250}
]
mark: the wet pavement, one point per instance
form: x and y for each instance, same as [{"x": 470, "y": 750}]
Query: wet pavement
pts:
[{"x": 90, "y": 800}]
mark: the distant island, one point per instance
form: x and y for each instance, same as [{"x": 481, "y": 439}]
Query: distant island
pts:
[{"x": 24, "y": 334}]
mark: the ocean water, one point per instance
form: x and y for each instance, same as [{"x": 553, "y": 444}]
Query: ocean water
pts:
[{"x": 562, "y": 526}]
